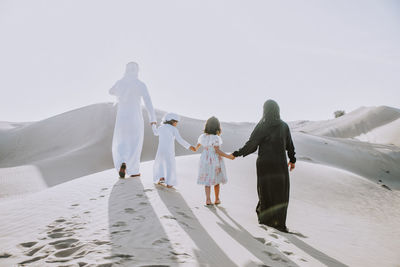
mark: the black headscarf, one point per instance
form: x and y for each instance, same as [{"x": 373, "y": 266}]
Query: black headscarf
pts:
[{"x": 271, "y": 114}]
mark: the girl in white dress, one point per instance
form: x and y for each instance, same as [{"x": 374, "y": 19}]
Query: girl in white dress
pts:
[
  {"x": 129, "y": 129},
  {"x": 212, "y": 170},
  {"x": 164, "y": 170}
]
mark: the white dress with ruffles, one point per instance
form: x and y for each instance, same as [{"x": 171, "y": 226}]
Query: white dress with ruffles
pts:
[{"x": 212, "y": 167}]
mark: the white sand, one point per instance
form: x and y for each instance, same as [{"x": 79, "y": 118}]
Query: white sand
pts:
[
  {"x": 52, "y": 214},
  {"x": 101, "y": 219}
]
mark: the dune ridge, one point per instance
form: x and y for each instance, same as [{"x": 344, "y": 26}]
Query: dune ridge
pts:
[{"x": 78, "y": 143}]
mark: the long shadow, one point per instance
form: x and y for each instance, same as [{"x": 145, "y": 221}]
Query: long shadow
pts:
[
  {"x": 270, "y": 256},
  {"x": 136, "y": 233},
  {"x": 208, "y": 249},
  {"x": 316, "y": 254}
]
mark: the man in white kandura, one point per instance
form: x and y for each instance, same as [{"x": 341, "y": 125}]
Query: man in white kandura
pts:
[{"x": 129, "y": 129}]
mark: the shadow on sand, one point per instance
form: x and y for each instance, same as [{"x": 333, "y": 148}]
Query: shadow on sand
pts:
[
  {"x": 270, "y": 256},
  {"x": 136, "y": 233},
  {"x": 316, "y": 254},
  {"x": 207, "y": 248}
]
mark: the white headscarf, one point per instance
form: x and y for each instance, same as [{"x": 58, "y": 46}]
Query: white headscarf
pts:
[
  {"x": 171, "y": 116},
  {"x": 132, "y": 70}
]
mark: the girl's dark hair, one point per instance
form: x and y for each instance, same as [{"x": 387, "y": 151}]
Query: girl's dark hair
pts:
[
  {"x": 171, "y": 122},
  {"x": 212, "y": 126}
]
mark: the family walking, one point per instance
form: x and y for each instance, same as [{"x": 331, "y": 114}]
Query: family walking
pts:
[{"x": 271, "y": 137}]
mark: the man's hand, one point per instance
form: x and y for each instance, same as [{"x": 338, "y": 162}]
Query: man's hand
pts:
[
  {"x": 291, "y": 166},
  {"x": 232, "y": 157},
  {"x": 192, "y": 148}
]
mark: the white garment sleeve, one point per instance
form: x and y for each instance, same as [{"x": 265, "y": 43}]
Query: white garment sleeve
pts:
[
  {"x": 114, "y": 90},
  {"x": 217, "y": 140},
  {"x": 200, "y": 140},
  {"x": 148, "y": 104},
  {"x": 155, "y": 129},
  {"x": 180, "y": 140}
]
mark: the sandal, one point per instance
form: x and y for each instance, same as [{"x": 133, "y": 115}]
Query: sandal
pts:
[{"x": 122, "y": 170}]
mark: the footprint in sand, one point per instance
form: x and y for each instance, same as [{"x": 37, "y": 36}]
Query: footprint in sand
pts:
[
  {"x": 184, "y": 214},
  {"x": 99, "y": 242},
  {"x": 274, "y": 257},
  {"x": 139, "y": 195},
  {"x": 67, "y": 252},
  {"x": 147, "y": 190},
  {"x": 65, "y": 243},
  {"x": 260, "y": 239},
  {"x": 274, "y": 236},
  {"x": 28, "y": 244},
  {"x": 139, "y": 218},
  {"x": 5, "y": 255},
  {"x": 168, "y": 217},
  {"x": 74, "y": 205},
  {"x": 143, "y": 203},
  {"x": 120, "y": 232},
  {"x": 59, "y": 235},
  {"x": 161, "y": 241},
  {"x": 103, "y": 189},
  {"x": 129, "y": 210},
  {"x": 34, "y": 259},
  {"x": 81, "y": 264},
  {"x": 122, "y": 256},
  {"x": 34, "y": 250},
  {"x": 119, "y": 224}
]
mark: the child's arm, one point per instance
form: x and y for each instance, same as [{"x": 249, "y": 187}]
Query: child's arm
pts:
[
  {"x": 180, "y": 140},
  {"x": 222, "y": 154},
  {"x": 197, "y": 147}
]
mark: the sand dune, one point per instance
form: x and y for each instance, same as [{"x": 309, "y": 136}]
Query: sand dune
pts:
[
  {"x": 100, "y": 219},
  {"x": 78, "y": 143},
  {"x": 344, "y": 199},
  {"x": 358, "y": 122}
]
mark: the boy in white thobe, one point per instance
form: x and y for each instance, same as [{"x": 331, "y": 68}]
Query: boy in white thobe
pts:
[{"x": 164, "y": 169}]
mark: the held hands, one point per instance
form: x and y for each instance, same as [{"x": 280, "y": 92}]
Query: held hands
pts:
[
  {"x": 291, "y": 166},
  {"x": 151, "y": 123},
  {"x": 193, "y": 148},
  {"x": 232, "y": 157}
]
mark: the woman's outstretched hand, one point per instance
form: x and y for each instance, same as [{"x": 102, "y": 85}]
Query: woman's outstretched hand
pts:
[
  {"x": 155, "y": 123},
  {"x": 193, "y": 148},
  {"x": 232, "y": 157},
  {"x": 291, "y": 166}
]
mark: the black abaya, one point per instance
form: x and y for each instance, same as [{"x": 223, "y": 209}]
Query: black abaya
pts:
[{"x": 272, "y": 140}]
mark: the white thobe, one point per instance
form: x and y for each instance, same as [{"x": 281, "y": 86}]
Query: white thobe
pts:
[
  {"x": 165, "y": 164},
  {"x": 128, "y": 132}
]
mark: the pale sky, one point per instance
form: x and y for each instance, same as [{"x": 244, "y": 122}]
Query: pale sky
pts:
[{"x": 201, "y": 58}]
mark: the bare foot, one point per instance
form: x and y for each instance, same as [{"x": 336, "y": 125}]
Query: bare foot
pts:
[
  {"x": 217, "y": 202},
  {"x": 169, "y": 186},
  {"x": 161, "y": 181},
  {"x": 208, "y": 202}
]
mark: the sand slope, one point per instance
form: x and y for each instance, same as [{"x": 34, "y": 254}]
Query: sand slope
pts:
[
  {"x": 78, "y": 143},
  {"x": 100, "y": 219},
  {"x": 61, "y": 203}
]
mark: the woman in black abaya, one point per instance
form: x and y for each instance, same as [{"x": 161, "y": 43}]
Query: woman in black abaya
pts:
[{"x": 272, "y": 138}]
